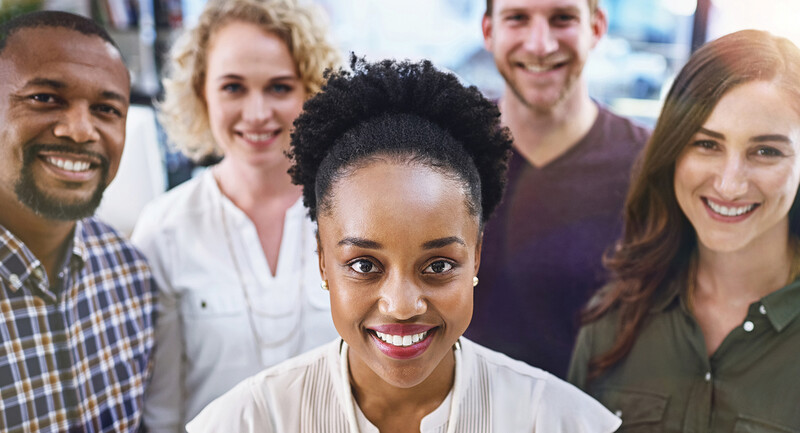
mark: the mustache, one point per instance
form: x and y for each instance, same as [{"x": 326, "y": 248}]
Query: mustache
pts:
[{"x": 31, "y": 152}]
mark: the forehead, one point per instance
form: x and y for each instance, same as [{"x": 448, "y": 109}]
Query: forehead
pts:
[
  {"x": 264, "y": 51},
  {"x": 756, "y": 107},
  {"x": 403, "y": 201},
  {"x": 66, "y": 55},
  {"x": 501, "y": 5}
]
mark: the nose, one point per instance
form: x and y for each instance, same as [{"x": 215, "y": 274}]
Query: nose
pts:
[
  {"x": 540, "y": 41},
  {"x": 402, "y": 298},
  {"x": 732, "y": 181},
  {"x": 76, "y": 125},
  {"x": 257, "y": 109}
]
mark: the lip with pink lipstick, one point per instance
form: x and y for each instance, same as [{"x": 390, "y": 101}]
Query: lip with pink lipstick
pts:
[
  {"x": 259, "y": 138},
  {"x": 402, "y": 341},
  {"x": 729, "y": 212}
]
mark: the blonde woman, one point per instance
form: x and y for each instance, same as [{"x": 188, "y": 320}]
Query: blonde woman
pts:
[{"x": 233, "y": 250}]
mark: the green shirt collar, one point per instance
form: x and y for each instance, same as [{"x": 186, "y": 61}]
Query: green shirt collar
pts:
[{"x": 783, "y": 305}]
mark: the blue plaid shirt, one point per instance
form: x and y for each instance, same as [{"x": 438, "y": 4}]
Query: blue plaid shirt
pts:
[{"x": 76, "y": 357}]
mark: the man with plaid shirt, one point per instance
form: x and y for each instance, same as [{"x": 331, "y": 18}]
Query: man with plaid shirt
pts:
[{"x": 76, "y": 300}]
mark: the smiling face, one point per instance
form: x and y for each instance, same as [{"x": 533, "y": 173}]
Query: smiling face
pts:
[
  {"x": 399, "y": 249},
  {"x": 253, "y": 95},
  {"x": 541, "y": 46},
  {"x": 63, "y": 113},
  {"x": 738, "y": 177}
]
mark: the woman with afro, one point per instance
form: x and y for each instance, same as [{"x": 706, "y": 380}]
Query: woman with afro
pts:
[{"x": 401, "y": 166}]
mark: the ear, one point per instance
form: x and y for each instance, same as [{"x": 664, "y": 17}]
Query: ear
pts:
[
  {"x": 486, "y": 27},
  {"x": 599, "y": 26},
  {"x": 321, "y": 257},
  {"x": 478, "y": 248}
]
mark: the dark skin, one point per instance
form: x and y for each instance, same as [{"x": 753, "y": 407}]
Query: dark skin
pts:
[
  {"x": 388, "y": 269},
  {"x": 73, "y": 94}
]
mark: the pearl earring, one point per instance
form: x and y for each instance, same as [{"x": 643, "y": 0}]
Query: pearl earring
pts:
[
  {"x": 474, "y": 281},
  {"x": 324, "y": 284}
]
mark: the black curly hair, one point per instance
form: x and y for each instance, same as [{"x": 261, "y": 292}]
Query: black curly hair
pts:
[{"x": 405, "y": 111}]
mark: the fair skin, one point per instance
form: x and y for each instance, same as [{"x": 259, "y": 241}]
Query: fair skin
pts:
[
  {"x": 253, "y": 94},
  {"x": 401, "y": 274},
  {"x": 68, "y": 105},
  {"x": 735, "y": 182},
  {"x": 540, "y": 48}
]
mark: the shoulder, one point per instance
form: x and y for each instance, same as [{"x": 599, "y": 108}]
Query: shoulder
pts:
[
  {"x": 179, "y": 203},
  {"x": 555, "y": 405},
  {"x": 101, "y": 238},
  {"x": 276, "y": 396},
  {"x": 622, "y": 128}
]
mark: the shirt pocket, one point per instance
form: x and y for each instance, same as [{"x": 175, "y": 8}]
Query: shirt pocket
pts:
[
  {"x": 641, "y": 412},
  {"x": 748, "y": 424},
  {"x": 215, "y": 329}
]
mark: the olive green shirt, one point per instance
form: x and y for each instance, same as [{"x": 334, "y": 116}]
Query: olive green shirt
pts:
[{"x": 668, "y": 383}]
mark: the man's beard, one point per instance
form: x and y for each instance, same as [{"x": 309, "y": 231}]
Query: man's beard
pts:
[{"x": 45, "y": 205}]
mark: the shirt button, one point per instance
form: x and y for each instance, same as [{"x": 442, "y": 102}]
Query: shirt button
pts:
[
  {"x": 762, "y": 309},
  {"x": 39, "y": 273},
  {"x": 15, "y": 281},
  {"x": 708, "y": 376},
  {"x": 618, "y": 413},
  {"x": 748, "y": 326}
]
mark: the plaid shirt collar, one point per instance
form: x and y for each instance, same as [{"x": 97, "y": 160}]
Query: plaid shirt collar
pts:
[{"x": 19, "y": 267}]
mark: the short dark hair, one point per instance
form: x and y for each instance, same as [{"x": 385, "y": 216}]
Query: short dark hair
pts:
[
  {"x": 490, "y": 5},
  {"x": 404, "y": 111},
  {"x": 52, "y": 19}
]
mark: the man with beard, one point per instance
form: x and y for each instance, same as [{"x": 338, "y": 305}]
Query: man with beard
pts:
[
  {"x": 567, "y": 180},
  {"x": 76, "y": 331}
]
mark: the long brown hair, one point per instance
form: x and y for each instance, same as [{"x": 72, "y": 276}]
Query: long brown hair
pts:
[{"x": 658, "y": 240}]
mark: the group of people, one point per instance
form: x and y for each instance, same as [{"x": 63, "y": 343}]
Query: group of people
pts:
[{"x": 322, "y": 276}]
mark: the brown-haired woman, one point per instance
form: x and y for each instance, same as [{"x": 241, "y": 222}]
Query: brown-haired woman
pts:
[{"x": 699, "y": 329}]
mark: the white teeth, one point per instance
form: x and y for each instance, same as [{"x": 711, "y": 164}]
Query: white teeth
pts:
[
  {"x": 259, "y": 137},
  {"x": 730, "y": 211},
  {"x": 538, "y": 68},
  {"x": 69, "y": 165},
  {"x": 401, "y": 340}
]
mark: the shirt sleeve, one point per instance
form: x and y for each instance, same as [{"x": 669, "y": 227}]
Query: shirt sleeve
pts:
[
  {"x": 164, "y": 400},
  {"x": 581, "y": 355},
  {"x": 568, "y": 410},
  {"x": 239, "y": 410}
]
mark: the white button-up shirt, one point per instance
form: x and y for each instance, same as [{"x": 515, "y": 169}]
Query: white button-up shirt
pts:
[
  {"x": 205, "y": 337},
  {"x": 491, "y": 393}
]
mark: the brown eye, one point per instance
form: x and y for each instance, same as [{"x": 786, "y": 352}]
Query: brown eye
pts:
[
  {"x": 438, "y": 267},
  {"x": 363, "y": 266}
]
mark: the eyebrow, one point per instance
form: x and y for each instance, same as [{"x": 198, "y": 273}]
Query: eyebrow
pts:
[
  {"x": 443, "y": 242},
  {"x": 360, "y": 242},
  {"x": 60, "y": 85},
  {"x": 766, "y": 138},
  {"x": 239, "y": 77}
]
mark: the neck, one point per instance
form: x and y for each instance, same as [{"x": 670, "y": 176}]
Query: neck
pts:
[
  {"x": 47, "y": 239},
  {"x": 543, "y": 135},
  {"x": 747, "y": 275},
  {"x": 380, "y": 400},
  {"x": 251, "y": 188}
]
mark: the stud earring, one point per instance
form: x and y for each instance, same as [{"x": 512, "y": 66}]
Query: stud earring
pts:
[
  {"x": 474, "y": 281},
  {"x": 324, "y": 284}
]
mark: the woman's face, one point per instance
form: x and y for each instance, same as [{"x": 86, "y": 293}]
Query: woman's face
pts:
[
  {"x": 399, "y": 250},
  {"x": 253, "y": 94},
  {"x": 737, "y": 178}
]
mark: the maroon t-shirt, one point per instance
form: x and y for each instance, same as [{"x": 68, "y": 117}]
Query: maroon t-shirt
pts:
[{"x": 542, "y": 250}]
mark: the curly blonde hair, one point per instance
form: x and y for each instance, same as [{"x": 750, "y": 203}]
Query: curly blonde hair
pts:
[{"x": 184, "y": 114}]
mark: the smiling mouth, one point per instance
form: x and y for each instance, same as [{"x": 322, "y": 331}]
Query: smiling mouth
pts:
[
  {"x": 538, "y": 68},
  {"x": 68, "y": 164},
  {"x": 729, "y": 211},
  {"x": 401, "y": 340},
  {"x": 260, "y": 136}
]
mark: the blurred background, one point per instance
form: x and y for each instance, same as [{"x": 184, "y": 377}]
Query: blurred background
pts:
[{"x": 648, "y": 41}]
